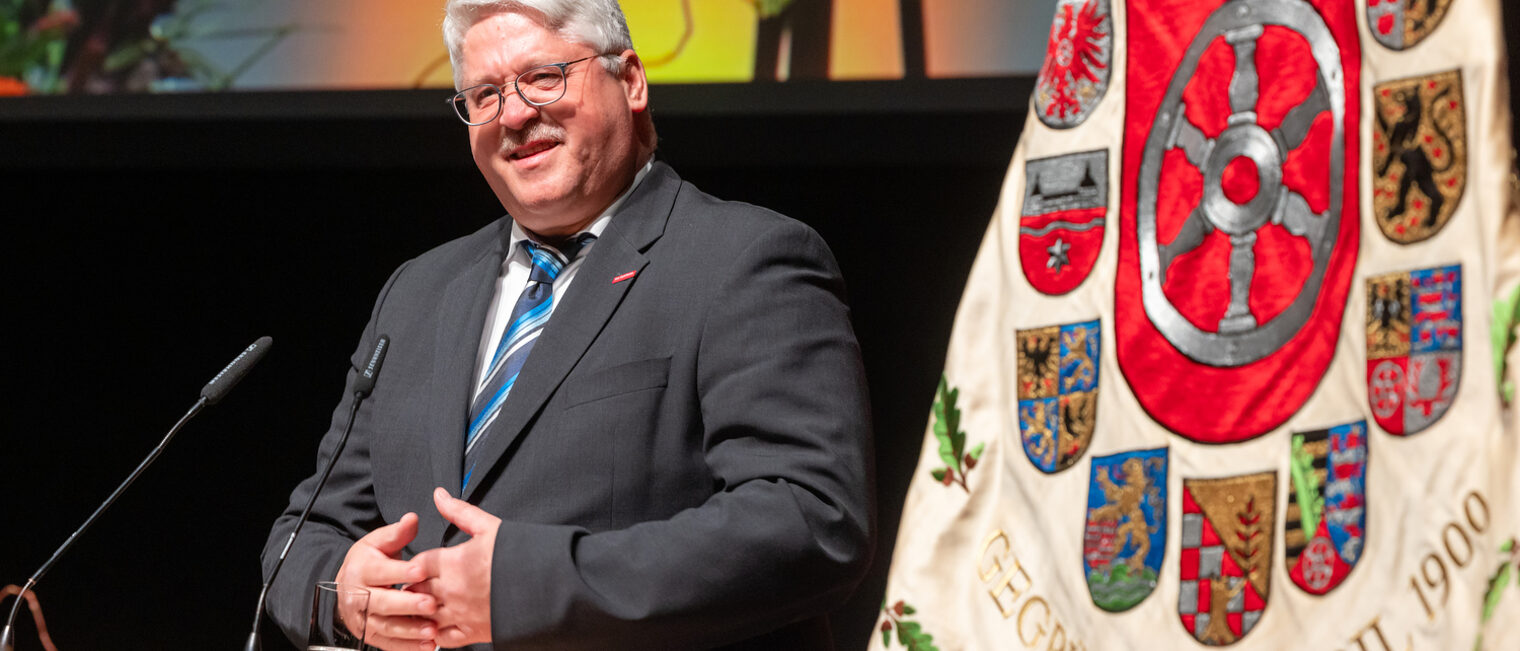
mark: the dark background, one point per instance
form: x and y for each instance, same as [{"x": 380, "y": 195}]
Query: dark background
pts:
[
  {"x": 151, "y": 238},
  {"x": 154, "y": 237}
]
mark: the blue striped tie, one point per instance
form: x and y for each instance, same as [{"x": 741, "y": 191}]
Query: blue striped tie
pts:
[{"x": 529, "y": 316}]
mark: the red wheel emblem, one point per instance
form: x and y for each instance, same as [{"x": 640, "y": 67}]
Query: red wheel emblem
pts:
[{"x": 1239, "y": 220}]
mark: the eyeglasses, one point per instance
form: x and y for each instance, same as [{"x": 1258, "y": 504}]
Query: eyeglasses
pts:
[{"x": 540, "y": 86}]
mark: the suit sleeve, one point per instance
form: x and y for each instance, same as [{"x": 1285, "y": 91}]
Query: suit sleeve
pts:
[
  {"x": 787, "y": 533},
  {"x": 344, "y": 511}
]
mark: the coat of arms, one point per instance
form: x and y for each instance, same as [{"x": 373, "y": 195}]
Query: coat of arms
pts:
[
  {"x": 1414, "y": 347},
  {"x": 1325, "y": 527},
  {"x": 1075, "y": 73},
  {"x": 1125, "y": 537},
  {"x": 1226, "y": 556},
  {"x": 1058, "y": 392},
  {"x": 1239, "y": 218},
  {"x": 1419, "y": 155},
  {"x": 1401, "y": 24},
  {"x": 1061, "y": 224}
]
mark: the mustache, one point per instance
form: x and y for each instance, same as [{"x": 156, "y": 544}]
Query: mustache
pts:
[{"x": 530, "y": 132}]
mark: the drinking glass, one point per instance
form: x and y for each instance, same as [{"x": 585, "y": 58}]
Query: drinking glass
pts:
[{"x": 338, "y": 613}]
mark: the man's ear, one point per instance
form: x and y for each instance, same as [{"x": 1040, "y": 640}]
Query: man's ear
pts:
[{"x": 635, "y": 84}]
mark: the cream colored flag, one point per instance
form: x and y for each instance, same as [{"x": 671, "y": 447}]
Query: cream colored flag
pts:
[{"x": 1229, "y": 369}]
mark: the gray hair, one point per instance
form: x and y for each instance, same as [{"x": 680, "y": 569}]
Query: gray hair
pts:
[{"x": 598, "y": 24}]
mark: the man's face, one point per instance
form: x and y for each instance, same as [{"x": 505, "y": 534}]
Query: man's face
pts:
[{"x": 555, "y": 167}]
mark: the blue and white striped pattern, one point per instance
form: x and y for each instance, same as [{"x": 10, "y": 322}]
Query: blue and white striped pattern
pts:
[{"x": 529, "y": 316}]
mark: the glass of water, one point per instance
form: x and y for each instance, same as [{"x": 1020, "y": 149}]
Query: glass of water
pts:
[{"x": 338, "y": 614}]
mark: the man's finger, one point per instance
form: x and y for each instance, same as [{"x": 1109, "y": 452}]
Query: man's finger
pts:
[
  {"x": 392, "y": 538},
  {"x": 377, "y": 571},
  {"x": 398, "y": 644},
  {"x": 468, "y": 517},
  {"x": 426, "y": 564},
  {"x": 420, "y": 587},
  {"x": 453, "y": 636},
  {"x": 446, "y": 618},
  {"x": 400, "y": 603},
  {"x": 415, "y": 629}
]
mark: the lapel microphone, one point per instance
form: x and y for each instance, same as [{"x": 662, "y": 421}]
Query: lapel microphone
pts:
[
  {"x": 211, "y": 394},
  {"x": 363, "y": 385}
]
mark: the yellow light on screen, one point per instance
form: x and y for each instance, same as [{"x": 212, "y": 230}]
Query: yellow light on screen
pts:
[{"x": 720, "y": 46}]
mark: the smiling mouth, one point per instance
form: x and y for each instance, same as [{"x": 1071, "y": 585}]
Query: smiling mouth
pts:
[{"x": 532, "y": 149}]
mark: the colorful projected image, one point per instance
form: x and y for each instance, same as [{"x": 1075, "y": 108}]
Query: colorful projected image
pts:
[
  {"x": 766, "y": 40},
  {"x": 111, "y": 46},
  {"x": 105, "y": 46},
  {"x": 981, "y": 38}
]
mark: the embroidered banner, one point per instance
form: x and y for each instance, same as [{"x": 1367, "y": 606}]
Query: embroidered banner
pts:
[{"x": 1300, "y": 298}]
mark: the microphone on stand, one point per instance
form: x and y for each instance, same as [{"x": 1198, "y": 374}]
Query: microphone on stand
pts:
[
  {"x": 211, "y": 394},
  {"x": 363, "y": 385}
]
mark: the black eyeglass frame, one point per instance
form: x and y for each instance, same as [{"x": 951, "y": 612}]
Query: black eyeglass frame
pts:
[{"x": 457, "y": 100}]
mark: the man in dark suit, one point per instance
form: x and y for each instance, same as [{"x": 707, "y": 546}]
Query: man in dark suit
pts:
[{"x": 678, "y": 458}]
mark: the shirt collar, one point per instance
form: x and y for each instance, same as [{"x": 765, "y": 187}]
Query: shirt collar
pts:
[{"x": 596, "y": 227}]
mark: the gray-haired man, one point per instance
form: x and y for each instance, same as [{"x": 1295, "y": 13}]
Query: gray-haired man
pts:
[{"x": 678, "y": 458}]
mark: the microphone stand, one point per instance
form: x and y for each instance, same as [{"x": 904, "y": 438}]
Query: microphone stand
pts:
[
  {"x": 363, "y": 386},
  {"x": 8, "y": 634},
  {"x": 211, "y": 394},
  {"x": 258, "y": 615}
]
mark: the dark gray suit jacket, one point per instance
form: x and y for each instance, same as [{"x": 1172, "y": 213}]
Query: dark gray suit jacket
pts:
[{"x": 684, "y": 461}]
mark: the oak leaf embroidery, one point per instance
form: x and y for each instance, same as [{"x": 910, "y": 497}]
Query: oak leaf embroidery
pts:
[
  {"x": 910, "y": 634},
  {"x": 1497, "y": 583},
  {"x": 952, "y": 441}
]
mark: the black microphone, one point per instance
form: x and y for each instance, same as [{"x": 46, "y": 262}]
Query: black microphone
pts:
[
  {"x": 220, "y": 385},
  {"x": 213, "y": 392},
  {"x": 363, "y": 385}
]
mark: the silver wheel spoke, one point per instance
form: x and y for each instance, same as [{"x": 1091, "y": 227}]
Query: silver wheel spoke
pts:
[
  {"x": 1188, "y": 238},
  {"x": 1190, "y": 139},
  {"x": 1295, "y": 125},
  {"x": 1245, "y": 87},
  {"x": 1293, "y": 214},
  {"x": 1238, "y": 317}
]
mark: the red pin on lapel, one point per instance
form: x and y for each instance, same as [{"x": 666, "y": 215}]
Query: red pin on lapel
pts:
[{"x": 623, "y": 277}]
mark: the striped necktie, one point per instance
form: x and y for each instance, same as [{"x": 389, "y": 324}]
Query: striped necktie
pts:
[{"x": 529, "y": 316}]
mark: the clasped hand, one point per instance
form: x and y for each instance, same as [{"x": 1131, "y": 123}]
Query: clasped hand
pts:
[{"x": 446, "y": 596}]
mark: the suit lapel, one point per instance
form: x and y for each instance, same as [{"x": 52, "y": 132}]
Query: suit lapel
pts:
[
  {"x": 590, "y": 302},
  {"x": 456, "y": 347}
]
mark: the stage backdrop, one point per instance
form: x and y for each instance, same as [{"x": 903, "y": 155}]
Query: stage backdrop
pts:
[
  {"x": 104, "y": 46},
  {"x": 1230, "y": 368}
]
